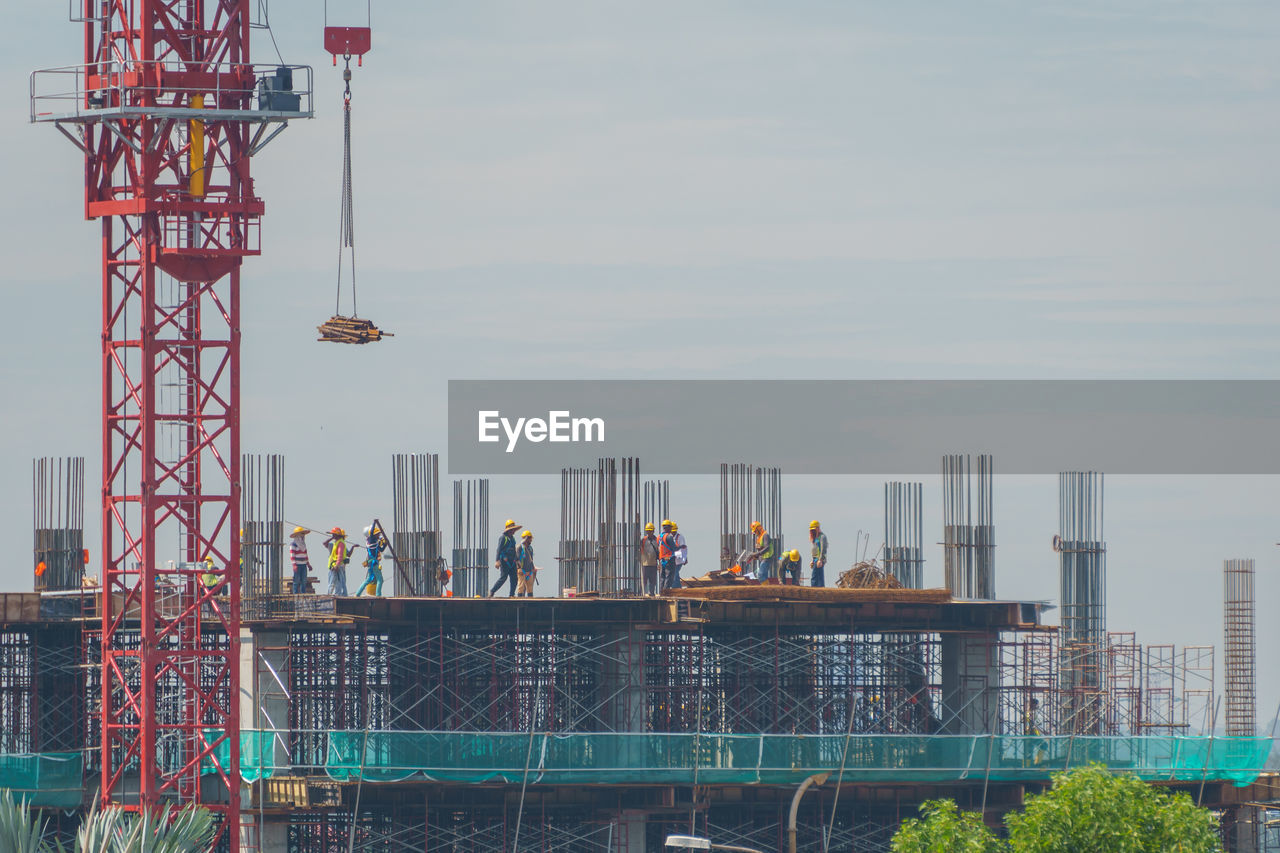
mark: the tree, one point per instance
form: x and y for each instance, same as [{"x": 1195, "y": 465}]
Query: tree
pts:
[
  {"x": 942, "y": 829},
  {"x": 109, "y": 830},
  {"x": 1091, "y": 809},
  {"x": 1087, "y": 809}
]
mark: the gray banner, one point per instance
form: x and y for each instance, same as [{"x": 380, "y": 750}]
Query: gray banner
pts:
[{"x": 897, "y": 427}]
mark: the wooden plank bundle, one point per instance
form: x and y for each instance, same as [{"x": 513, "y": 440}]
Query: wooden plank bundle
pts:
[{"x": 350, "y": 330}]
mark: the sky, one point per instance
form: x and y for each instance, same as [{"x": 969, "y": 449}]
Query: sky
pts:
[{"x": 839, "y": 190}]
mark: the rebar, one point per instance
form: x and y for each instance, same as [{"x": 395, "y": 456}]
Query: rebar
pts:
[
  {"x": 57, "y": 500},
  {"x": 904, "y": 533},
  {"x": 600, "y": 528},
  {"x": 969, "y": 549},
  {"x": 1090, "y": 707},
  {"x": 262, "y": 518},
  {"x": 1239, "y": 647},
  {"x": 416, "y": 512},
  {"x": 748, "y": 493},
  {"x": 656, "y": 501},
  {"x": 470, "y": 537}
]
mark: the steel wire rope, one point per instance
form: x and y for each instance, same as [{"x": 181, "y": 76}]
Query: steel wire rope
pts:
[{"x": 346, "y": 223}]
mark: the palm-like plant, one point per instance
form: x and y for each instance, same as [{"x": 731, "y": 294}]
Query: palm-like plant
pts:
[{"x": 110, "y": 830}]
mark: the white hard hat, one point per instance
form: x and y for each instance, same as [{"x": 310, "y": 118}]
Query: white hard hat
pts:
[{"x": 368, "y": 530}]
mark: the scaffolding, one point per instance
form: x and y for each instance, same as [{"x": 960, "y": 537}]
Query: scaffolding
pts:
[
  {"x": 416, "y": 540},
  {"x": 968, "y": 548},
  {"x": 57, "y": 499},
  {"x": 748, "y": 493},
  {"x": 470, "y": 537}
]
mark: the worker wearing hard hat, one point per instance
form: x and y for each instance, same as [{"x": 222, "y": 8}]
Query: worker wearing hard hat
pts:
[
  {"x": 818, "y": 555},
  {"x": 682, "y": 550},
  {"x": 764, "y": 555},
  {"x": 789, "y": 567},
  {"x": 524, "y": 564},
  {"x": 649, "y": 561},
  {"x": 339, "y": 556},
  {"x": 298, "y": 558},
  {"x": 667, "y": 546},
  {"x": 209, "y": 577},
  {"x": 506, "y": 563},
  {"x": 375, "y": 544}
]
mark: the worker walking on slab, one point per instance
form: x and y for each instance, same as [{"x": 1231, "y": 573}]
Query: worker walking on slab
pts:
[
  {"x": 339, "y": 556},
  {"x": 506, "y": 562},
  {"x": 524, "y": 563},
  {"x": 667, "y": 545},
  {"x": 818, "y": 559},
  {"x": 298, "y": 558},
  {"x": 789, "y": 568},
  {"x": 764, "y": 555},
  {"x": 374, "y": 543},
  {"x": 649, "y": 560},
  {"x": 682, "y": 550}
]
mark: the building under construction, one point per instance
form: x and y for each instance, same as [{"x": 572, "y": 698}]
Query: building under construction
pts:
[{"x": 606, "y": 722}]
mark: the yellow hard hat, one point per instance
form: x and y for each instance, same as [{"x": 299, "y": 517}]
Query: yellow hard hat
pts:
[
  {"x": 298, "y": 530},
  {"x": 511, "y": 525},
  {"x": 675, "y": 526},
  {"x": 794, "y": 554},
  {"x": 813, "y": 525},
  {"x": 666, "y": 522},
  {"x": 649, "y": 527},
  {"x": 755, "y": 525},
  {"x": 528, "y": 534}
]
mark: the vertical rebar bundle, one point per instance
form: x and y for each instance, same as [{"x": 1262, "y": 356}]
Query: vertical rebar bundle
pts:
[
  {"x": 262, "y": 519},
  {"x": 57, "y": 500},
  {"x": 1240, "y": 648},
  {"x": 656, "y": 502},
  {"x": 904, "y": 533},
  {"x": 747, "y": 494},
  {"x": 1082, "y": 551},
  {"x": 416, "y": 511},
  {"x": 470, "y": 537},
  {"x": 969, "y": 548},
  {"x": 600, "y": 527}
]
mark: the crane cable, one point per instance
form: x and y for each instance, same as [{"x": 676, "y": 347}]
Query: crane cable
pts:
[{"x": 346, "y": 227}]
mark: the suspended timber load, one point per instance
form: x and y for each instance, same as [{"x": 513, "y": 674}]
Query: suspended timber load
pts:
[
  {"x": 340, "y": 329},
  {"x": 350, "y": 330}
]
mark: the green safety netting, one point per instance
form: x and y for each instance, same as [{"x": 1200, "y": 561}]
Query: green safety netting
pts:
[
  {"x": 257, "y": 753},
  {"x": 52, "y": 779},
  {"x": 687, "y": 759},
  {"x": 56, "y": 779}
]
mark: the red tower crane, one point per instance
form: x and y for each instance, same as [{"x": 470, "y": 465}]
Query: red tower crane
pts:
[{"x": 168, "y": 110}]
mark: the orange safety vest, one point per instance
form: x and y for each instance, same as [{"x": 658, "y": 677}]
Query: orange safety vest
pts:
[{"x": 666, "y": 546}]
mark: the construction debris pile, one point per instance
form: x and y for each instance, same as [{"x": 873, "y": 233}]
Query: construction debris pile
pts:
[
  {"x": 350, "y": 330},
  {"x": 865, "y": 574}
]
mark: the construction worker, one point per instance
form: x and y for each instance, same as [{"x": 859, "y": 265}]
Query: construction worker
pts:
[
  {"x": 667, "y": 545},
  {"x": 649, "y": 561},
  {"x": 1031, "y": 728},
  {"x": 375, "y": 543},
  {"x": 764, "y": 555},
  {"x": 506, "y": 562},
  {"x": 524, "y": 563},
  {"x": 298, "y": 557},
  {"x": 339, "y": 556},
  {"x": 790, "y": 566},
  {"x": 210, "y": 577},
  {"x": 818, "y": 556},
  {"x": 682, "y": 550}
]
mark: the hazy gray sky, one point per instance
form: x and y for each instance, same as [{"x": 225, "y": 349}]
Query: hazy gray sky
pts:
[{"x": 728, "y": 190}]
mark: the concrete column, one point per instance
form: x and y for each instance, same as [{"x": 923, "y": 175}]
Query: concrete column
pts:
[{"x": 970, "y": 684}]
